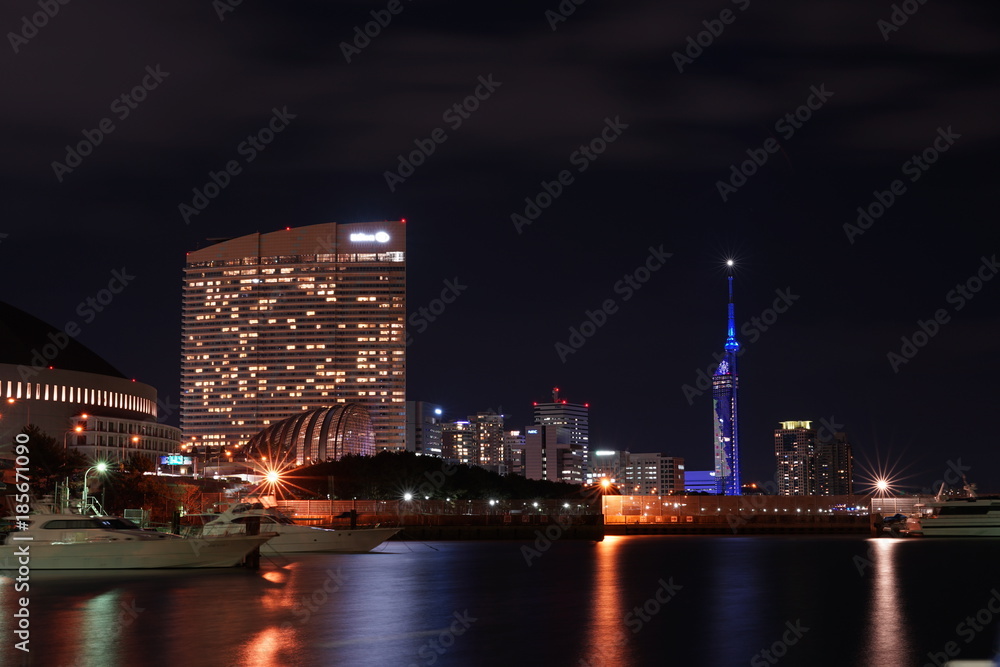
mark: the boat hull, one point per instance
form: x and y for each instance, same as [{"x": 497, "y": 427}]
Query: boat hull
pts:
[
  {"x": 939, "y": 528},
  {"x": 307, "y": 539},
  {"x": 173, "y": 552}
]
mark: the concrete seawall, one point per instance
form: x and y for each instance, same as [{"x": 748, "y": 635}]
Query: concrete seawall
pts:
[
  {"x": 431, "y": 533},
  {"x": 778, "y": 527}
]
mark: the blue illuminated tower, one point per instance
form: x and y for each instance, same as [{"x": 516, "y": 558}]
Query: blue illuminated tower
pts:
[{"x": 725, "y": 389}]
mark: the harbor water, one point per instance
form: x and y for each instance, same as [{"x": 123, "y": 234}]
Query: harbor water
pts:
[{"x": 633, "y": 600}]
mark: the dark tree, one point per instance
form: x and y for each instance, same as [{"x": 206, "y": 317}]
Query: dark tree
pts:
[{"x": 50, "y": 461}]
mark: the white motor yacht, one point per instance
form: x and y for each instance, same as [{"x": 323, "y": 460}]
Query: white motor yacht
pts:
[
  {"x": 290, "y": 537},
  {"x": 967, "y": 515},
  {"x": 960, "y": 517},
  {"x": 49, "y": 541}
]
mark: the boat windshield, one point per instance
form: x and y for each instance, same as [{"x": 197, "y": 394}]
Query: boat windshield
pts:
[{"x": 116, "y": 523}]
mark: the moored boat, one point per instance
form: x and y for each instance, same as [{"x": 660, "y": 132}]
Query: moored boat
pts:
[
  {"x": 959, "y": 517},
  {"x": 49, "y": 541},
  {"x": 288, "y": 536}
]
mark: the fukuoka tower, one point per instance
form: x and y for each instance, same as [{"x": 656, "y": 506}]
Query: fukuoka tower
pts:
[{"x": 725, "y": 392}]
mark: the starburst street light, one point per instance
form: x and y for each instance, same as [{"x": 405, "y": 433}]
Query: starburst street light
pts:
[{"x": 883, "y": 477}]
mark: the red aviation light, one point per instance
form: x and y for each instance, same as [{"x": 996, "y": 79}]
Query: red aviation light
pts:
[{"x": 403, "y": 220}]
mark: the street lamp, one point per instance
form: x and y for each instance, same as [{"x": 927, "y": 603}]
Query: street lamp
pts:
[
  {"x": 75, "y": 429},
  {"x": 100, "y": 467}
]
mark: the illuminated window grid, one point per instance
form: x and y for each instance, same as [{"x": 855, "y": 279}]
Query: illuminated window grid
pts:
[{"x": 263, "y": 341}]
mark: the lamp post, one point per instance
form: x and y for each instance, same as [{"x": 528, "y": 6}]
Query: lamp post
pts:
[
  {"x": 100, "y": 467},
  {"x": 75, "y": 429}
]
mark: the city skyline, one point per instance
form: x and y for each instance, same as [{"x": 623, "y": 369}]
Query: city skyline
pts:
[{"x": 572, "y": 189}]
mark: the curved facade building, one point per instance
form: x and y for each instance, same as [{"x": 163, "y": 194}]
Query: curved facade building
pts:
[
  {"x": 316, "y": 435},
  {"x": 50, "y": 380}
]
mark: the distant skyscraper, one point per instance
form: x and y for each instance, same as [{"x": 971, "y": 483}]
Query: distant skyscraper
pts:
[
  {"x": 725, "y": 389},
  {"x": 458, "y": 442},
  {"x": 809, "y": 466},
  {"x": 834, "y": 466},
  {"x": 513, "y": 445},
  {"x": 795, "y": 452},
  {"x": 549, "y": 454},
  {"x": 278, "y": 323},
  {"x": 575, "y": 418},
  {"x": 477, "y": 441},
  {"x": 653, "y": 474},
  {"x": 423, "y": 428},
  {"x": 490, "y": 440}
]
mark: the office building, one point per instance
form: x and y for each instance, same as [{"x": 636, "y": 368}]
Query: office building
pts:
[
  {"x": 513, "y": 445},
  {"x": 289, "y": 321},
  {"x": 608, "y": 464},
  {"x": 575, "y": 418},
  {"x": 490, "y": 440},
  {"x": 423, "y": 428},
  {"x": 550, "y": 454},
  {"x": 480, "y": 441},
  {"x": 653, "y": 474},
  {"x": 458, "y": 442}
]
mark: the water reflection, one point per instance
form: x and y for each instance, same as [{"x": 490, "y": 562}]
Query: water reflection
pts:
[
  {"x": 887, "y": 641},
  {"x": 271, "y": 647},
  {"x": 607, "y": 637},
  {"x": 737, "y": 593},
  {"x": 105, "y": 618}
]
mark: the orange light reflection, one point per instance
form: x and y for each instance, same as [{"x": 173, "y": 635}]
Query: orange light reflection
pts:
[
  {"x": 888, "y": 628},
  {"x": 608, "y": 638}
]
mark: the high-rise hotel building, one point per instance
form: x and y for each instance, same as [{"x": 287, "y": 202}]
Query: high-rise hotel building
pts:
[{"x": 305, "y": 317}]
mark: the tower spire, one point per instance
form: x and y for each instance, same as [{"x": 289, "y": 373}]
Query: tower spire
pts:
[{"x": 731, "y": 342}]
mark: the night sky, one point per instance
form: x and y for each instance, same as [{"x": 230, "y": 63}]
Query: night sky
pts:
[{"x": 642, "y": 111}]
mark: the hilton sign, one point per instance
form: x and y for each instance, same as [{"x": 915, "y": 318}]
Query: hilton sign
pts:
[{"x": 378, "y": 237}]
